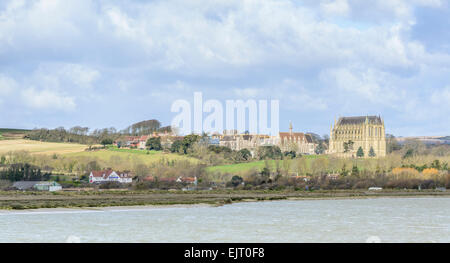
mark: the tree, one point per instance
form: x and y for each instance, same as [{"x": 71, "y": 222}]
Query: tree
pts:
[
  {"x": 106, "y": 141},
  {"x": 244, "y": 155},
  {"x": 154, "y": 143},
  {"x": 236, "y": 180},
  {"x": 360, "y": 152},
  {"x": 348, "y": 146},
  {"x": 189, "y": 141},
  {"x": 355, "y": 171},
  {"x": 269, "y": 152},
  {"x": 392, "y": 144},
  {"x": 320, "y": 149},
  {"x": 436, "y": 164},
  {"x": 177, "y": 146},
  {"x": 344, "y": 171},
  {"x": 290, "y": 154},
  {"x": 409, "y": 153},
  {"x": 371, "y": 152}
]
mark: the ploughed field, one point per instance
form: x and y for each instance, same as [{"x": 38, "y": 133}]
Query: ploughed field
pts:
[{"x": 37, "y": 147}]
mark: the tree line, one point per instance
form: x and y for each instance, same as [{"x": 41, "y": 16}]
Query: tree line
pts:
[{"x": 83, "y": 135}]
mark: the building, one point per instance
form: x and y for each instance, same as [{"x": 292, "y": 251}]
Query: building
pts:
[
  {"x": 287, "y": 141},
  {"x": 296, "y": 141},
  {"x": 237, "y": 142},
  {"x": 134, "y": 141},
  {"x": 48, "y": 186},
  {"x": 109, "y": 176},
  {"x": 140, "y": 142},
  {"x": 350, "y": 133},
  {"x": 37, "y": 185}
]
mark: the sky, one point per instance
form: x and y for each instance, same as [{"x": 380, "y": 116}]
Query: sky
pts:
[{"x": 113, "y": 63}]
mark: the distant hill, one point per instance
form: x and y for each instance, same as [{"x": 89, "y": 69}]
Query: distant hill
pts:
[{"x": 426, "y": 139}]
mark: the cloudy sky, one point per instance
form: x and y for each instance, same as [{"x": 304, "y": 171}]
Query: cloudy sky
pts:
[{"x": 111, "y": 63}]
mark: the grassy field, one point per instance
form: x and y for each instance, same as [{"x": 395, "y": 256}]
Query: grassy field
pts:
[
  {"x": 243, "y": 167},
  {"x": 37, "y": 147},
  {"x": 122, "y": 158},
  {"x": 136, "y": 151},
  {"x": 240, "y": 167}
]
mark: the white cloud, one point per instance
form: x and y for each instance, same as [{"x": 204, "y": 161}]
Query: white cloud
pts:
[
  {"x": 441, "y": 98},
  {"x": 84, "y": 51},
  {"x": 336, "y": 7},
  {"x": 7, "y": 85},
  {"x": 247, "y": 93},
  {"x": 81, "y": 75},
  {"x": 369, "y": 84},
  {"x": 47, "y": 99}
]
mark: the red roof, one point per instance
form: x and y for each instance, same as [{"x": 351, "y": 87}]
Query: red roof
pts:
[
  {"x": 188, "y": 179},
  {"x": 149, "y": 178},
  {"x": 104, "y": 173}
]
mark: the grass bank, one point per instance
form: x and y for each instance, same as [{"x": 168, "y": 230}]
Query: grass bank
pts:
[
  {"x": 34, "y": 200},
  {"x": 258, "y": 165}
]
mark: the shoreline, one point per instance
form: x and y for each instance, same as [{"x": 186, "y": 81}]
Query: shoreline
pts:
[{"x": 111, "y": 200}]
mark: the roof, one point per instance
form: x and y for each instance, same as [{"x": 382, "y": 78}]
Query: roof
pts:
[
  {"x": 106, "y": 173},
  {"x": 188, "y": 179},
  {"x": 309, "y": 138},
  {"x": 149, "y": 178},
  {"x": 359, "y": 120},
  {"x": 52, "y": 183},
  {"x": 23, "y": 185},
  {"x": 300, "y": 135},
  {"x": 168, "y": 179}
]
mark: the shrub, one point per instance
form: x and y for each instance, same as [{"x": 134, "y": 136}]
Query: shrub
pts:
[
  {"x": 429, "y": 172},
  {"x": 111, "y": 185},
  {"x": 405, "y": 171}
]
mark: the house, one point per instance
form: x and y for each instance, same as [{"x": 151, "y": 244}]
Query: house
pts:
[
  {"x": 190, "y": 180},
  {"x": 37, "y": 185},
  {"x": 109, "y": 176},
  {"x": 168, "y": 179},
  {"x": 136, "y": 141},
  {"x": 332, "y": 176},
  {"x": 48, "y": 186}
]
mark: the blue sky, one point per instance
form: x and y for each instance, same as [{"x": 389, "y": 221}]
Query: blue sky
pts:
[{"x": 111, "y": 63}]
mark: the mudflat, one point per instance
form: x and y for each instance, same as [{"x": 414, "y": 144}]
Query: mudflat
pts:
[{"x": 112, "y": 198}]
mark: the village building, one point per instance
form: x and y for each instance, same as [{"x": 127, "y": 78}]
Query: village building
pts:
[
  {"x": 37, "y": 185},
  {"x": 109, "y": 176},
  {"x": 296, "y": 141},
  {"x": 351, "y": 133},
  {"x": 140, "y": 142},
  {"x": 246, "y": 141}
]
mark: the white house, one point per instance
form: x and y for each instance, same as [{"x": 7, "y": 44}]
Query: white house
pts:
[{"x": 109, "y": 176}]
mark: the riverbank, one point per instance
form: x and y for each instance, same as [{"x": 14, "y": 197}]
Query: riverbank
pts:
[{"x": 112, "y": 198}]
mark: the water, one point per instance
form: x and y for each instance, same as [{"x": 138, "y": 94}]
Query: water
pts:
[{"x": 360, "y": 220}]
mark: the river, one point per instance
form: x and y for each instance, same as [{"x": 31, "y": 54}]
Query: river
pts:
[{"x": 353, "y": 220}]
